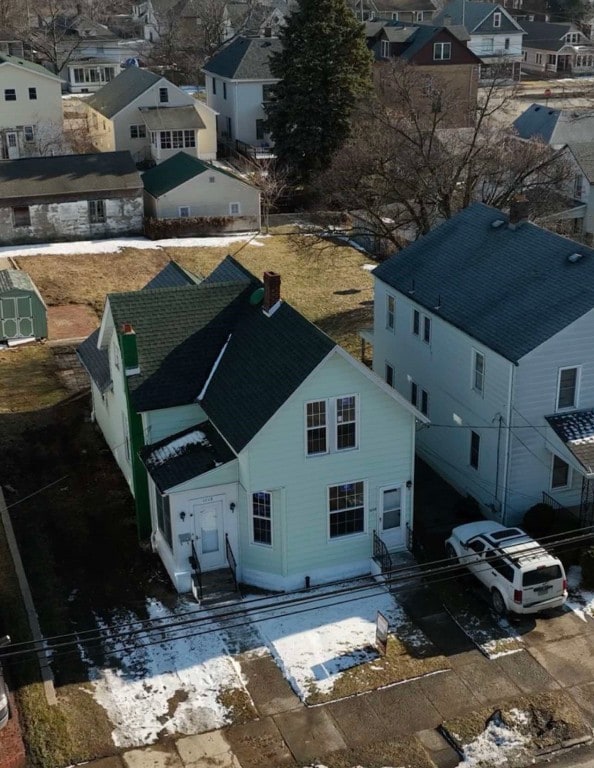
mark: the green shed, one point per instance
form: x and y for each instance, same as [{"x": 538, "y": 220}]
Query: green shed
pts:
[{"x": 23, "y": 314}]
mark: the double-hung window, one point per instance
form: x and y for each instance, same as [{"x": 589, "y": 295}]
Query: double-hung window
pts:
[
  {"x": 165, "y": 139},
  {"x": 138, "y": 131},
  {"x": 10, "y": 94},
  {"x": 426, "y": 329},
  {"x": 189, "y": 138},
  {"x": 331, "y": 425},
  {"x": 163, "y": 95},
  {"x": 497, "y": 20},
  {"x": 560, "y": 473},
  {"x": 346, "y": 509},
  {"x": 442, "y": 51},
  {"x": 164, "y": 517},
  {"x": 567, "y": 388},
  {"x": 29, "y": 133},
  {"x": 262, "y": 518},
  {"x": 385, "y": 49},
  {"x": 390, "y": 312},
  {"x": 32, "y": 94},
  {"x": 419, "y": 397},
  {"x": 389, "y": 375},
  {"x": 478, "y": 372},
  {"x": 177, "y": 139},
  {"x": 421, "y": 326},
  {"x": 475, "y": 449},
  {"x": 97, "y": 212}
]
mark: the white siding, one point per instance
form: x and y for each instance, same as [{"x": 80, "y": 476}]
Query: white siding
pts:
[
  {"x": 243, "y": 106},
  {"x": 444, "y": 369}
]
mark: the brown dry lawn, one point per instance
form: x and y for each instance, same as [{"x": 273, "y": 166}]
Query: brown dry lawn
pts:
[
  {"x": 326, "y": 283},
  {"x": 28, "y": 379}
]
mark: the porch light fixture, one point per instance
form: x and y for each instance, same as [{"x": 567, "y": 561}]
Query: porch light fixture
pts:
[
  {"x": 232, "y": 506},
  {"x": 182, "y": 515},
  {"x": 409, "y": 484}
]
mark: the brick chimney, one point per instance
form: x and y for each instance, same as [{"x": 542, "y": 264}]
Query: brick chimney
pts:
[
  {"x": 519, "y": 211},
  {"x": 272, "y": 283}
]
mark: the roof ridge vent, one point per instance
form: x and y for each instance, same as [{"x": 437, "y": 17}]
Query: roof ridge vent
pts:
[{"x": 575, "y": 257}]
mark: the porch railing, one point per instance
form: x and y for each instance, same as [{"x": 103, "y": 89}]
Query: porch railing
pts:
[
  {"x": 231, "y": 561},
  {"x": 548, "y": 499},
  {"x": 196, "y": 573},
  {"x": 381, "y": 555},
  {"x": 264, "y": 152}
]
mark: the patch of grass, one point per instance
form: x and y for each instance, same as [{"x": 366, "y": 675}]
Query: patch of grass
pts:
[
  {"x": 403, "y": 751},
  {"x": 28, "y": 379},
  {"x": 546, "y": 719},
  {"x": 239, "y": 705},
  {"x": 327, "y": 284},
  {"x": 397, "y": 665}
]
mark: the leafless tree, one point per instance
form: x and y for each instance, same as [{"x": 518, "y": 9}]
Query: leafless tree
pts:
[
  {"x": 271, "y": 180},
  {"x": 50, "y": 33},
  {"x": 403, "y": 170}
]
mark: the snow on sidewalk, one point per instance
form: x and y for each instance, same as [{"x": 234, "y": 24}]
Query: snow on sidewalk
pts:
[
  {"x": 114, "y": 245},
  {"x": 580, "y": 600}
]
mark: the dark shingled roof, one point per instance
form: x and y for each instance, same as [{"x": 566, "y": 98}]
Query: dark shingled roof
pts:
[
  {"x": 576, "y": 431},
  {"x": 544, "y": 36},
  {"x": 493, "y": 282},
  {"x": 229, "y": 270},
  {"x": 123, "y": 89},
  {"x": 185, "y": 455},
  {"x": 95, "y": 361},
  {"x": 473, "y": 14},
  {"x": 244, "y": 58},
  {"x": 173, "y": 276},
  {"x": 31, "y": 177},
  {"x": 555, "y": 126}
]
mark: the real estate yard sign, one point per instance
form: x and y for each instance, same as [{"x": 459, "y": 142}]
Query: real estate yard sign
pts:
[{"x": 381, "y": 633}]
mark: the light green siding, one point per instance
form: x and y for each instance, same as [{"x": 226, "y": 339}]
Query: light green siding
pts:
[
  {"x": 168, "y": 421},
  {"x": 276, "y": 461},
  {"x": 227, "y": 473}
]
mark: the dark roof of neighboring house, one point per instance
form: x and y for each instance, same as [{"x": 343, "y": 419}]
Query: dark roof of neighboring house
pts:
[
  {"x": 177, "y": 170},
  {"x": 493, "y": 282},
  {"x": 544, "y": 35},
  {"x": 417, "y": 34},
  {"x": 244, "y": 58},
  {"x": 185, "y": 455},
  {"x": 95, "y": 361},
  {"x": 171, "y": 118},
  {"x": 584, "y": 154},
  {"x": 32, "y": 177},
  {"x": 576, "y": 431},
  {"x": 120, "y": 91},
  {"x": 17, "y": 61},
  {"x": 182, "y": 332},
  {"x": 229, "y": 270},
  {"x": 172, "y": 276},
  {"x": 555, "y": 126},
  {"x": 470, "y": 13}
]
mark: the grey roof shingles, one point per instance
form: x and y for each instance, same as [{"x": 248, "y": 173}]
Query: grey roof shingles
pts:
[
  {"x": 544, "y": 36},
  {"x": 493, "y": 283},
  {"x": 172, "y": 276},
  {"x": 555, "y": 126},
  {"x": 171, "y": 118},
  {"x": 32, "y": 177},
  {"x": 123, "y": 89},
  {"x": 244, "y": 58},
  {"x": 584, "y": 154},
  {"x": 95, "y": 361},
  {"x": 472, "y": 14}
]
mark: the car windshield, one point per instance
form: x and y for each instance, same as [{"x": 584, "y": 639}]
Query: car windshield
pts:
[
  {"x": 541, "y": 575},
  {"x": 508, "y": 533}
]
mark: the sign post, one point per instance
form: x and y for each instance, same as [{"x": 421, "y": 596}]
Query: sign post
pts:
[{"x": 381, "y": 633}]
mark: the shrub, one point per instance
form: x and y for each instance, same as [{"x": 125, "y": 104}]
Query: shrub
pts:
[
  {"x": 587, "y": 563},
  {"x": 159, "y": 229},
  {"x": 468, "y": 508},
  {"x": 543, "y": 520},
  {"x": 539, "y": 520}
]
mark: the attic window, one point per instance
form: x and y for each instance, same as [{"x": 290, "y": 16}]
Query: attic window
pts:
[
  {"x": 442, "y": 51},
  {"x": 497, "y": 20}
]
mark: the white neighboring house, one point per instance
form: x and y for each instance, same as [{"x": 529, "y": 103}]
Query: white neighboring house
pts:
[
  {"x": 238, "y": 84},
  {"x": 87, "y": 75},
  {"x": 150, "y": 117},
  {"x": 557, "y": 48},
  {"x": 495, "y": 36},
  {"x": 31, "y": 107},
  {"x": 486, "y": 323}
]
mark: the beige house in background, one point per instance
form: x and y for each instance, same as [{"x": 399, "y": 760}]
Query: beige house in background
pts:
[
  {"x": 185, "y": 187},
  {"x": 31, "y": 108},
  {"x": 150, "y": 117}
]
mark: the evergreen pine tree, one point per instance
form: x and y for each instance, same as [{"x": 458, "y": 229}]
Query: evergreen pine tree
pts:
[{"x": 323, "y": 65}]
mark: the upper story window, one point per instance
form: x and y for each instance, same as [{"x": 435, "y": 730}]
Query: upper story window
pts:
[
  {"x": 390, "y": 312},
  {"x": 224, "y": 90},
  {"x": 138, "y": 131},
  {"x": 421, "y": 326},
  {"x": 389, "y": 375},
  {"x": 478, "y": 372},
  {"x": 32, "y": 94},
  {"x": 262, "y": 518},
  {"x": 416, "y": 329},
  {"x": 419, "y": 397},
  {"x": 9, "y": 94},
  {"x": 385, "y": 49},
  {"x": 214, "y": 85},
  {"x": 475, "y": 449},
  {"x": 560, "y": 473},
  {"x": 442, "y": 51},
  {"x": 567, "y": 388},
  {"x": 497, "y": 19},
  {"x": 163, "y": 95},
  {"x": 427, "y": 329},
  {"x": 342, "y": 414},
  {"x": 395, "y": 16}
]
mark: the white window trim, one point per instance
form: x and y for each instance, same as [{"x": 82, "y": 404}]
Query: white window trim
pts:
[
  {"x": 306, "y": 430},
  {"x": 497, "y": 18},
  {"x": 475, "y": 354},
  {"x": 380, "y": 505},
  {"x": 578, "y": 379},
  {"x": 478, "y": 463},
  {"x": 184, "y": 208},
  {"x": 426, "y": 319},
  {"x": 390, "y": 328},
  {"x": 357, "y": 424},
  {"x": 253, "y": 542},
  {"x": 569, "y": 475},
  {"x": 418, "y": 313},
  {"x": 385, "y": 49},
  {"x": 332, "y": 425},
  {"x": 391, "y": 367},
  {"x": 231, "y": 209},
  {"x": 348, "y": 536},
  {"x": 442, "y": 47}
]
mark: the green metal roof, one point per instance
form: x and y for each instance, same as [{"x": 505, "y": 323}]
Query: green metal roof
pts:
[
  {"x": 17, "y": 61},
  {"x": 177, "y": 170}
]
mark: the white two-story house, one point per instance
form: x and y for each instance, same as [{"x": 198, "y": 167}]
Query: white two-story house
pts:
[
  {"x": 247, "y": 436},
  {"x": 557, "y": 48},
  {"x": 31, "y": 108},
  {"x": 495, "y": 36},
  {"x": 144, "y": 113},
  {"x": 486, "y": 324},
  {"x": 238, "y": 84}
]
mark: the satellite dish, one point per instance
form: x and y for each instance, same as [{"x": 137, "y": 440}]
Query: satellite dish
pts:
[{"x": 257, "y": 297}]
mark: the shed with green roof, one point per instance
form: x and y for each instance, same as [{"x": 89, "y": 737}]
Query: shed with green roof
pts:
[
  {"x": 23, "y": 314},
  {"x": 186, "y": 187}
]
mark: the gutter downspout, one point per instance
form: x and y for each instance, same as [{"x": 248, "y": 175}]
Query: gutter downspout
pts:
[{"x": 510, "y": 395}]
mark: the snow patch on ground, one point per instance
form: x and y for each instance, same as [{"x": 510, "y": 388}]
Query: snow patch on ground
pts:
[
  {"x": 580, "y": 601},
  {"x": 495, "y": 746},
  {"x": 115, "y": 245},
  {"x": 313, "y": 648},
  {"x": 369, "y": 267},
  {"x": 162, "y": 685},
  {"x": 495, "y": 637}
]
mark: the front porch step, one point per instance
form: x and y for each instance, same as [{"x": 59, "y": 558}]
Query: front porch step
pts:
[{"x": 218, "y": 588}]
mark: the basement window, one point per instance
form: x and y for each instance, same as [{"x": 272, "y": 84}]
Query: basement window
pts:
[{"x": 21, "y": 216}]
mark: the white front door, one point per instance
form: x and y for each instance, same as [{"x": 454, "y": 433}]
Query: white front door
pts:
[
  {"x": 12, "y": 145},
  {"x": 391, "y": 525},
  {"x": 208, "y": 529}
]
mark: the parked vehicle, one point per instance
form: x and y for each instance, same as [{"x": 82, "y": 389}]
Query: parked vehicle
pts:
[
  {"x": 521, "y": 576},
  {"x": 4, "y": 708}
]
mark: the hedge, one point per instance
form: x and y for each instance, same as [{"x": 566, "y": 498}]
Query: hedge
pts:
[{"x": 160, "y": 229}]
